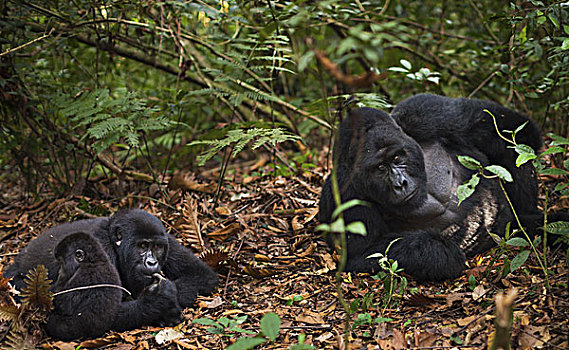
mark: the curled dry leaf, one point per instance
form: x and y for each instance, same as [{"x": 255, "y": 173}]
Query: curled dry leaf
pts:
[{"x": 224, "y": 233}]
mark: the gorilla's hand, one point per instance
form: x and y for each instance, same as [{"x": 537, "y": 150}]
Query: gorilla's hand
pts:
[{"x": 162, "y": 296}]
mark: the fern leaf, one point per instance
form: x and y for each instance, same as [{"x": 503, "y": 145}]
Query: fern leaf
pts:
[
  {"x": 36, "y": 292},
  {"x": 19, "y": 341},
  {"x": 9, "y": 312}
]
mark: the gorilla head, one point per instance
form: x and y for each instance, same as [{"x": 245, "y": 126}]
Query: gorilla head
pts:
[
  {"x": 141, "y": 247},
  {"x": 386, "y": 165}
]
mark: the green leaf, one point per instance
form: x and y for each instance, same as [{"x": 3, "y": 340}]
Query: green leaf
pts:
[
  {"x": 517, "y": 242},
  {"x": 469, "y": 162},
  {"x": 345, "y": 206},
  {"x": 305, "y": 60},
  {"x": 406, "y": 64},
  {"x": 521, "y": 149},
  {"x": 553, "y": 150},
  {"x": 519, "y": 260},
  {"x": 467, "y": 189},
  {"x": 565, "y": 44},
  {"x": 205, "y": 322},
  {"x": 519, "y": 128},
  {"x": 356, "y": 227},
  {"x": 558, "y": 228},
  {"x": 271, "y": 325},
  {"x": 554, "y": 171},
  {"x": 524, "y": 158},
  {"x": 246, "y": 343},
  {"x": 382, "y": 320},
  {"x": 502, "y": 172}
]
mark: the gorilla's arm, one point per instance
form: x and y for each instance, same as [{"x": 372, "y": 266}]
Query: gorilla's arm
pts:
[
  {"x": 191, "y": 275},
  {"x": 423, "y": 253},
  {"x": 156, "y": 305}
]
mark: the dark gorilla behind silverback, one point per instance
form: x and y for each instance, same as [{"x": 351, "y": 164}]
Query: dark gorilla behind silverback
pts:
[
  {"x": 139, "y": 248},
  {"x": 405, "y": 167}
]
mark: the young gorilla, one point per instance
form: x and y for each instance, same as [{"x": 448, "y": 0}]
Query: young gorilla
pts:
[
  {"x": 138, "y": 246},
  {"x": 83, "y": 312},
  {"x": 405, "y": 167}
]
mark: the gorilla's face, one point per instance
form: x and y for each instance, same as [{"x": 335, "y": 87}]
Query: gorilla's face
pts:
[
  {"x": 76, "y": 250},
  {"x": 389, "y": 165},
  {"x": 142, "y": 248}
]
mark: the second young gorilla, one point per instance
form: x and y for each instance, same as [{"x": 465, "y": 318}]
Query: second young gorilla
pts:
[
  {"x": 83, "y": 312},
  {"x": 139, "y": 248},
  {"x": 405, "y": 167}
]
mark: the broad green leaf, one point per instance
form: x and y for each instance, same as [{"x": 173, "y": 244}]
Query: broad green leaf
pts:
[
  {"x": 356, "y": 227},
  {"x": 246, "y": 343},
  {"x": 469, "y": 162},
  {"x": 502, "y": 172},
  {"x": 271, "y": 325},
  {"x": 519, "y": 260},
  {"x": 517, "y": 242},
  {"x": 553, "y": 150},
  {"x": 554, "y": 171},
  {"x": 406, "y": 64},
  {"x": 524, "y": 158},
  {"x": 467, "y": 189},
  {"x": 521, "y": 149}
]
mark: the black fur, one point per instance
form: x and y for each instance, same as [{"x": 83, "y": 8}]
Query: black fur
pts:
[
  {"x": 405, "y": 167},
  {"x": 83, "y": 313},
  {"x": 139, "y": 248}
]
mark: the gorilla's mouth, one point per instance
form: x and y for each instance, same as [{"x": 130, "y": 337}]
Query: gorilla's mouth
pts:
[{"x": 408, "y": 197}]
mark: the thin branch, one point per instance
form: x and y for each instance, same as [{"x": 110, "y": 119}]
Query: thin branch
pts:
[{"x": 26, "y": 44}]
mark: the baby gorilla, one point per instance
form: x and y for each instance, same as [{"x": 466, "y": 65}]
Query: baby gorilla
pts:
[{"x": 83, "y": 312}]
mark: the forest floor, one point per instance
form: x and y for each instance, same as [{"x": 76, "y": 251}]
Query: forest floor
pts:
[{"x": 262, "y": 236}]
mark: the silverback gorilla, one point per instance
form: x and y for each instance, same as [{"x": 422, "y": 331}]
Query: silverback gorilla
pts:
[
  {"x": 139, "y": 250},
  {"x": 405, "y": 167}
]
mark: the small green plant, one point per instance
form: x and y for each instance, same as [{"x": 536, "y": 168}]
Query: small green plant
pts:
[
  {"x": 294, "y": 299},
  {"x": 224, "y": 326},
  {"x": 525, "y": 154},
  {"x": 390, "y": 275},
  {"x": 270, "y": 328}
]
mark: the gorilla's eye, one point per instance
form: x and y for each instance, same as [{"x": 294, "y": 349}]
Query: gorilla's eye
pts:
[
  {"x": 143, "y": 245},
  {"x": 381, "y": 167},
  {"x": 397, "y": 160},
  {"x": 79, "y": 255}
]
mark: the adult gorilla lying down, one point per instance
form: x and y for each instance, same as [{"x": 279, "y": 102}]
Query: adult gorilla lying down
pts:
[
  {"x": 138, "y": 250},
  {"x": 405, "y": 167}
]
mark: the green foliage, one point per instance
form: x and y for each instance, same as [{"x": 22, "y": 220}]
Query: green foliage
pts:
[
  {"x": 108, "y": 119},
  {"x": 224, "y": 326},
  {"x": 270, "y": 328},
  {"x": 239, "y": 138},
  {"x": 390, "y": 275}
]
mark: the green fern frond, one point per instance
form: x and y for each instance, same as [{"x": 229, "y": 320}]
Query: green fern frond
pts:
[
  {"x": 108, "y": 118},
  {"x": 239, "y": 138}
]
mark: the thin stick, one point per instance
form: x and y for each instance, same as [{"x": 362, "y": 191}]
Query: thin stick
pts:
[{"x": 92, "y": 286}]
